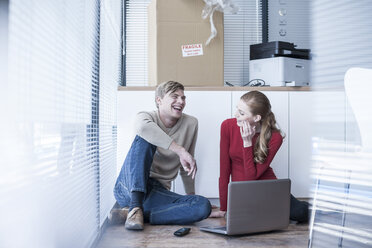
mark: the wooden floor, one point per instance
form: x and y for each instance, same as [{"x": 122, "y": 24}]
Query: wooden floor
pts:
[{"x": 114, "y": 236}]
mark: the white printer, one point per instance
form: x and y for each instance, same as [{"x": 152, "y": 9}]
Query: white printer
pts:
[{"x": 278, "y": 63}]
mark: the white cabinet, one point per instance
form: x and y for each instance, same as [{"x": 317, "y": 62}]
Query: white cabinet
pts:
[
  {"x": 129, "y": 104},
  {"x": 279, "y": 104},
  {"x": 210, "y": 108},
  {"x": 294, "y": 112},
  {"x": 300, "y": 147},
  {"x": 314, "y": 117}
]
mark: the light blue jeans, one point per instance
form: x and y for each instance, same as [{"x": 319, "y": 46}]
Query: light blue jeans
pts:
[{"x": 160, "y": 206}]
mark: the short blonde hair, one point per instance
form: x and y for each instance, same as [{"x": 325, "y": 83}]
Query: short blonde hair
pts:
[{"x": 164, "y": 88}]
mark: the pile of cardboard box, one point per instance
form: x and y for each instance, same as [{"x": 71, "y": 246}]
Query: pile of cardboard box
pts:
[{"x": 177, "y": 51}]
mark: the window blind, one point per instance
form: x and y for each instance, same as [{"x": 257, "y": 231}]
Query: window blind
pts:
[
  {"x": 240, "y": 31},
  {"x": 136, "y": 42},
  {"x": 340, "y": 39},
  {"x": 341, "y": 35},
  {"x": 110, "y": 78},
  {"x": 58, "y": 140}
]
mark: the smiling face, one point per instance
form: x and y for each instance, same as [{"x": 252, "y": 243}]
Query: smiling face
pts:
[
  {"x": 172, "y": 104},
  {"x": 243, "y": 113}
]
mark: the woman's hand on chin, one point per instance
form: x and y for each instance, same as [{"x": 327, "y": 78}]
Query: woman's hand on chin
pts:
[{"x": 247, "y": 132}]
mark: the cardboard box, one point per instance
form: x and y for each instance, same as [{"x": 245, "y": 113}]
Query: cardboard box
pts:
[{"x": 176, "y": 44}]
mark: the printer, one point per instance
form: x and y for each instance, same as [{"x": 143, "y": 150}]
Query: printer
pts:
[{"x": 278, "y": 63}]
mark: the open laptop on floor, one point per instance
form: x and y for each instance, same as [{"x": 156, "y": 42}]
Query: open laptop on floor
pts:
[{"x": 256, "y": 206}]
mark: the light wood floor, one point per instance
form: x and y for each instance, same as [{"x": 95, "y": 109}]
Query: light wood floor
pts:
[{"x": 115, "y": 236}]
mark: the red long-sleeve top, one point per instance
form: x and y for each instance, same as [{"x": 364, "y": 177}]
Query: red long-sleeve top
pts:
[{"x": 238, "y": 161}]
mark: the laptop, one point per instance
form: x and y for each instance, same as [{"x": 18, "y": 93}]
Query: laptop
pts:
[{"x": 256, "y": 206}]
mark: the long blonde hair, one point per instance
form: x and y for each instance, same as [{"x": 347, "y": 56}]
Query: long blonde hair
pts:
[{"x": 259, "y": 104}]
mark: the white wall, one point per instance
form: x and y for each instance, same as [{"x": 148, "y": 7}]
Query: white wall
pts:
[{"x": 211, "y": 108}]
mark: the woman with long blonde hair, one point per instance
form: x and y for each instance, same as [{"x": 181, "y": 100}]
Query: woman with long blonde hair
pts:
[{"x": 248, "y": 144}]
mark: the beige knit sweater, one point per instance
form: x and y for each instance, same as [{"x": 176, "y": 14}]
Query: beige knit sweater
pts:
[{"x": 166, "y": 163}]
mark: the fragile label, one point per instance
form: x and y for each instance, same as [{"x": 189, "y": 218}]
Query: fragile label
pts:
[{"x": 192, "y": 50}]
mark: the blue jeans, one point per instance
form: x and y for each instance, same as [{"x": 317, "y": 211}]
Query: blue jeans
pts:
[{"x": 160, "y": 206}]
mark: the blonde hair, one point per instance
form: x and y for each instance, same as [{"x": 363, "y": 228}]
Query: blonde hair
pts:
[
  {"x": 259, "y": 104},
  {"x": 164, "y": 88}
]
